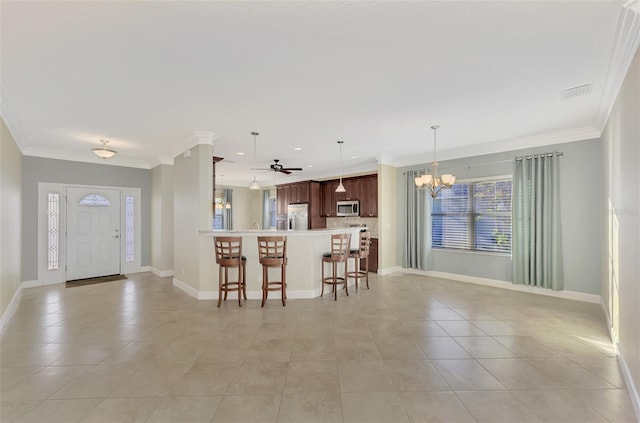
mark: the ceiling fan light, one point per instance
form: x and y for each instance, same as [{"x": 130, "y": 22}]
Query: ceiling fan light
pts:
[
  {"x": 255, "y": 185},
  {"x": 103, "y": 152}
]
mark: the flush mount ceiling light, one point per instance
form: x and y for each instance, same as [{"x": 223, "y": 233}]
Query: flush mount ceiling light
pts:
[
  {"x": 433, "y": 183},
  {"x": 340, "y": 186},
  {"x": 254, "y": 185},
  {"x": 103, "y": 152}
]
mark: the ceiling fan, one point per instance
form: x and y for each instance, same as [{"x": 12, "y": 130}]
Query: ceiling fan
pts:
[{"x": 277, "y": 167}]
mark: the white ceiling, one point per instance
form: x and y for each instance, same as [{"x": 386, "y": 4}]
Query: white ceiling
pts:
[{"x": 155, "y": 78}]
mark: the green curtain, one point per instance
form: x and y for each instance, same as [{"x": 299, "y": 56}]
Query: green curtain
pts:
[
  {"x": 416, "y": 251},
  {"x": 537, "y": 243},
  {"x": 227, "y": 213}
]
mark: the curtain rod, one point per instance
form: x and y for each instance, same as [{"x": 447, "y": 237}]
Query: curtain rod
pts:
[{"x": 557, "y": 153}]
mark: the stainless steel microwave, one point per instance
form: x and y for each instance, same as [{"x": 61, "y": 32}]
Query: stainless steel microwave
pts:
[{"x": 348, "y": 208}]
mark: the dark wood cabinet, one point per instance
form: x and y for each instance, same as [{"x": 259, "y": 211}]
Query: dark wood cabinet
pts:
[
  {"x": 329, "y": 197},
  {"x": 368, "y": 196},
  {"x": 282, "y": 200},
  {"x": 373, "y": 257}
]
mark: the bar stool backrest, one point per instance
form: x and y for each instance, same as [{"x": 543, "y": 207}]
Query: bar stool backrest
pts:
[
  {"x": 340, "y": 244},
  {"x": 228, "y": 250},
  {"x": 365, "y": 240},
  {"x": 272, "y": 250}
]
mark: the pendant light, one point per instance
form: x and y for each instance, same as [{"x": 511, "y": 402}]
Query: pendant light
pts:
[
  {"x": 433, "y": 183},
  {"x": 254, "y": 185},
  {"x": 340, "y": 186},
  {"x": 104, "y": 152},
  {"x": 222, "y": 204}
]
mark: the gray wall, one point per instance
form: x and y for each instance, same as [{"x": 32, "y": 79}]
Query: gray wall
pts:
[
  {"x": 581, "y": 213},
  {"x": 10, "y": 217},
  {"x": 36, "y": 169}
]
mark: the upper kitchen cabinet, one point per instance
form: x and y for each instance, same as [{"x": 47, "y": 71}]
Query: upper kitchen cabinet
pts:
[
  {"x": 329, "y": 198},
  {"x": 299, "y": 192},
  {"x": 368, "y": 196},
  {"x": 352, "y": 190}
]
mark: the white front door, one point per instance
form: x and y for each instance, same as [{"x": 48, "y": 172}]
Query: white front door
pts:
[{"x": 93, "y": 232}]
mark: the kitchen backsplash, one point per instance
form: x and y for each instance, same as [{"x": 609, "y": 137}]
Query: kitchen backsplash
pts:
[{"x": 345, "y": 222}]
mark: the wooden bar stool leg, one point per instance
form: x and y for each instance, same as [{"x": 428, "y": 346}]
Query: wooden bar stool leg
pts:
[
  {"x": 244, "y": 279},
  {"x": 219, "y": 286},
  {"x": 265, "y": 284},
  {"x": 283, "y": 280},
  {"x": 346, "y": 265},
  {"x": 322, "y": 290},
  {"x": 335, "y": 280}
]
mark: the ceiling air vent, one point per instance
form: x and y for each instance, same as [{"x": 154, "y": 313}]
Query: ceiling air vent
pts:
[{"x": 574, "y": 92}]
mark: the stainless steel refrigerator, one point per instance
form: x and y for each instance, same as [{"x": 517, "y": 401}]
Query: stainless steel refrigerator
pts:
[{"x": 298, "y": 217}]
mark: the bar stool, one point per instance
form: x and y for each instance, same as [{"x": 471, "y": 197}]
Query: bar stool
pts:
[
  {"x": 339, "y": 253},
  {"x": 229, "y": 255},
  {"x": 358, "y": 255},
  {"x": 272, "y": 252}
]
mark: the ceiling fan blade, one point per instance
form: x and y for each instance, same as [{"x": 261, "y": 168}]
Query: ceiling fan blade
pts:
[
  {"x": 285, "y": 171},
  {"x": 292, "y": 168},
  {"x": 260, "y": 168}
]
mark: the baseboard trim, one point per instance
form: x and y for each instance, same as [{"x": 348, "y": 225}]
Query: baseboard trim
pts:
[
  {"x": 568, "y": 295},
  {"x": 389, "y": 270},
  {"x": 631, "y": 385},
  {"x": 251, "y": 294},
  {"x": 162, "y": 273},
  {"x": 13, "y": 306}
]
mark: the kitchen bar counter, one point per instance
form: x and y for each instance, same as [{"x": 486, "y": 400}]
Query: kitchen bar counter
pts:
[{"x": 304, "y": 265}]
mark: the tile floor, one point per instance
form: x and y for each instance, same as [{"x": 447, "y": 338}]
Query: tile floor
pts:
[{"x": 410, "y": 349}]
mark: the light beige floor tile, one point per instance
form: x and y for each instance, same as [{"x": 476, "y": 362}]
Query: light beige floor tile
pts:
[
  {"x": 606, "y": 368},
  {"x": 612, "y": 404},
  {"x": 248, "y": 409},
  {"x": 460, "y": 328},
  {"x": 494, "y": 327},
  {"x": 518, "y": 373},
  {"x": 364, "y": 376},
  {"x": 496, "y": 407},
  {"x": 466, "y": 375},
  {"x": 356, "y": 350},
  {"x": 42, "y": 384},
  {"x": 319, "y": 348},
  {"x": 442, "y": 348},
  {"x": 312, "y": 376},
  {"x": 87, "y": 354},
  {"x": 525, "y": 346},
  {"x": 98, "y": 382},
  {"x": 557, "y": 406},
  {"x": 423, "y": 328},
  {"x": 10, "y": 411},
  {"x": 373, "y": 407},
  {"x": 270, "y": 350},
  {"x": 415, "y": 375},
  {"x": 224, "y": 351},
  {"x": 122, "y": 410},
  {"x": 260, "y": 377},
  {"x": 62, "y": 411},
  {"x": 31, "y": 355},
  {"x": 185, "y": 409},
  {"x": 206, "y": 379},
  {"x": 430, "y": 407},
  {"x": 151, "y": 380},
  {"x": 483, "y": 347},
  {"x": 9, "y": 376},
  {"x": 399, "y": 351},
  {"x": 310, "y": 407},
  {"x": 567, "y": 374}
]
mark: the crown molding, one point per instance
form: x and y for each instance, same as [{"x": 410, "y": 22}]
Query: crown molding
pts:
[
  {"x": 626, "y": 42},
  {"x": 500, "y": 146},
  {"x": 85, "y": 157},
  {"x": 197, "y": 137}
]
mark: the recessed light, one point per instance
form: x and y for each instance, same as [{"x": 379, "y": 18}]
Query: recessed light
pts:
[
  {"x": 309, "y": 165},
  {"x": 297, "y": 148},
  {"x": 354, "y": 157},
  {"x": 240, "y": 153}
]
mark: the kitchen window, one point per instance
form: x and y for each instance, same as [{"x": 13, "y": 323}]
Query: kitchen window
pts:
[{"x": 473, "y": 216}]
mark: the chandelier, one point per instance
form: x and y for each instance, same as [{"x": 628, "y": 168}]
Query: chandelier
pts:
[
  {"x": 433, "y": 183},
  {"x": 220, "y": 201},
  {"x": 103, "y": 152}
]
